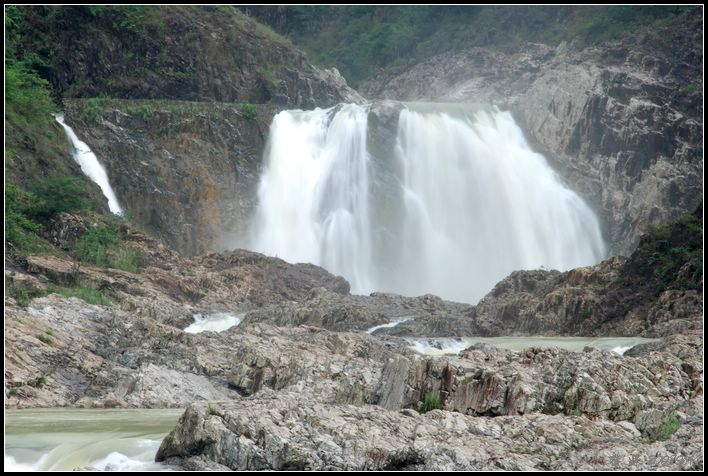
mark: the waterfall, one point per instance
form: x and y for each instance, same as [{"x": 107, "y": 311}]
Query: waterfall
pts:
[
  {"x": 466, "y": 202},
  {"x": 90, "y": 166}
]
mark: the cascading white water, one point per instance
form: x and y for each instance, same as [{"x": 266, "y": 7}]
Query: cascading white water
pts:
[
  {"x": 91, "y": 166},
  {"x": 314, "y": 198},
  {"x": 472, "y": 202}
]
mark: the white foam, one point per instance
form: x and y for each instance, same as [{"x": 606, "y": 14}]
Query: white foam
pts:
[
  {"x": 621, "y": 349},
  {"x": 472, "y": 199},
  {"x": 11, "y": 465},
  {"x": 116, "y": 461},
  {"x": 389, "y": 325},
  {"x": 215, "y": 322},
  {"x": 446, "y": 346}
]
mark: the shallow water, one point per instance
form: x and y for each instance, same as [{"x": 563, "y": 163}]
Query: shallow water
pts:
[
  {"x": 64, "y": 439},
  {"x": 446, "y": 346}
]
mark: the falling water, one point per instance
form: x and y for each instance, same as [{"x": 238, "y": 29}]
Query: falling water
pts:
[
  {"x": 91, "y": 166},
  {"x": 471, "y": 202}
]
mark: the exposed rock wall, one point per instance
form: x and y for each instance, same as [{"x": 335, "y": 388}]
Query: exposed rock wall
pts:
[
  {"x": 622, "y": 122},
  {"x": 191, "y": 53},
  {"x": 185, "y": 172},
  {"x": 288, "y": 432}
]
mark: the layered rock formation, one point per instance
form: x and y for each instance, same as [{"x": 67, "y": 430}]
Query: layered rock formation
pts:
[
  {"x": 621, "y": 122},
  {"x": 288, "y": 432},
  {"x": 185, "y": 171}
]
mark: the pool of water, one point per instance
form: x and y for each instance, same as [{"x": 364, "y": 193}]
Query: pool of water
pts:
[
  {"x": 64, "y": 439},
  {"x": 446, "y": 346}
]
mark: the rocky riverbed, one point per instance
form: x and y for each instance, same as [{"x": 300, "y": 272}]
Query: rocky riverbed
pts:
[{"x": 299, "y": 383}]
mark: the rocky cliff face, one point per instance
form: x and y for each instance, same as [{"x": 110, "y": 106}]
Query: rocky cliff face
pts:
[
  {"x": 185, "y": 171},
  {"x": 656, "y": 292},
  {"x": 622, "y": 122},
  {"x": 176, "y": 52}
]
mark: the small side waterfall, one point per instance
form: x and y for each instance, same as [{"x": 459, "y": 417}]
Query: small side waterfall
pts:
[
  {"x": 90, "y": 166},
  {"x": 469, "y": 202}
]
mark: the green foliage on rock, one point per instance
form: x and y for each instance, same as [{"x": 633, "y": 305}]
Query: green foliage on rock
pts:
[
  {"x": 24, "y": 294},
  {"x": 669, "y": 427},
  {"x": 93, "y": 110},
  {"x": 669, "y": 256},
  {"x": 56, "y": 194},
  {"x": 88, "y": 293},
  {"x": 431, "y": 402},
  {"x": 101, "y": 246},
  {"x": 249, "y": 110},
  {"x": 361, "y": 39}
]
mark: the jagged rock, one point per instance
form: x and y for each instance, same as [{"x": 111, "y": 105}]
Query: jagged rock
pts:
[
  {"x": 270, "y": 432},
  {"x": 64, "y": 229}
]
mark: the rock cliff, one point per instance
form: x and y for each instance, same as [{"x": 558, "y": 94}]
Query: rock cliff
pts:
[{"x": 621, "y": 122}]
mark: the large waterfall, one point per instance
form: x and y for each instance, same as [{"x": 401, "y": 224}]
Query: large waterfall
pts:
[
  {"x": 457, "y": 203},
  {"x": 90, "y": 166}
]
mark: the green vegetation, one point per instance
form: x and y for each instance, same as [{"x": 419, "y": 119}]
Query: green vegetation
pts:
[
  {"x": 431, "y": 402},
  {"x": 211, "y": 410},
  {"x": 21, "y": 231},
  {"x": 249, "y": 110},
  {"x": 669, "y": 427},
  {"x": 39, "y": 382},
  {"x": 27, "y": 211},
  {"x": 56, "y": 194},
  {"x": 361, "y": 39},
  {"x": 45, "y": 338},
  {"x": 670, "y": 256},
  {"x": 24, "y": 295},
  {"x": 88, "y": 293},
  {"x": 101, "y": 246}
]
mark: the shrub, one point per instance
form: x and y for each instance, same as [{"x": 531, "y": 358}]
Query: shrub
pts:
[
  {"x": 249, "y": 110},
  {"x": 21, "y": 231},
  {"x": 669, "y": 427},
  {"x": 45, "y": 338},
  {"x": 39, "y": 382},
  {"x": 93, "y": 246},
  {"x": 145, "y": 111},
  {"x": 92, "y": 111},
  {"x": 431, "y": 402}
]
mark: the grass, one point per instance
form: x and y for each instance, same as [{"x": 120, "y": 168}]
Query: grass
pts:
[
  {"x": 88, "y": 293},
  {"x": 24, "y": 295},
  {"x": 101, "y": 246}
]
